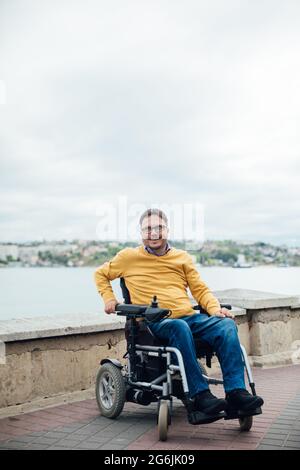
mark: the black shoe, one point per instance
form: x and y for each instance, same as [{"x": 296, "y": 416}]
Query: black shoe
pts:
[
  {"x": 240, "y": 399},
  {"x": 207, "y": 403}
]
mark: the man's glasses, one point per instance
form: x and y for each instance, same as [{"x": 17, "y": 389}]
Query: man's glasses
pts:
[{"x": 154, "y": 228}]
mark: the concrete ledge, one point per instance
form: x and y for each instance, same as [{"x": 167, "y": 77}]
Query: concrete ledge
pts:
[
  {"x": 253, "y": 299},
  {"x": 45, "y": 327},
  {"x": 296, "y": 306},
  {"x": 238, "y": 311}
]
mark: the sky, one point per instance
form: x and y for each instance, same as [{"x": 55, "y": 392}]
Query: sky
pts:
[{"x": 157, "y": 103}]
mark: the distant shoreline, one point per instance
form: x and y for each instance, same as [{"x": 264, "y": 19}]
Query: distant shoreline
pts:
[{"x": 211, "y": 253}]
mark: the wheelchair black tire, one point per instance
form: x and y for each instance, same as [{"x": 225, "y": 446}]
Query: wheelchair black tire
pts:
[
  {"x": 114, "y": 373},
  {"x": 246, "y": 423}
]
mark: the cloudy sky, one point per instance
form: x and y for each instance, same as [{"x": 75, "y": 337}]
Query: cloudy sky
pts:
[{"x": 158, "y": 102}]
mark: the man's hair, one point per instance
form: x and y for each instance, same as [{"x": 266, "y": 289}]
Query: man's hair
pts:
[{"x": 150, "y": 212}]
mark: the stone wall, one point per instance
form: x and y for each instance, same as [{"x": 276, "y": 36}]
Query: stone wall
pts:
[
  {"x": 270, "y": 331},
  {"x": 51, "y": 366}
]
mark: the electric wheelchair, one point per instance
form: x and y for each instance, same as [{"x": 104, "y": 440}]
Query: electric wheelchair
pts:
[{"x": 155, "y": 372}]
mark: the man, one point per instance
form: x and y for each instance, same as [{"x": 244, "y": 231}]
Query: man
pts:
[{"x": 155, "y": 268}]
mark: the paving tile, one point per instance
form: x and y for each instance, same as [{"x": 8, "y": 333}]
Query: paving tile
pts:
[
  {"x": 56, "y": 434},
  {"x": 68, "y": 443},
  {"x": 58, "y": 448},
  {"x": 268, "y": 447},
  {"x": 24, "y": 439},
  {"x": 99, "y": 440},
  {"x": 15, "y": 445},
  {"x": 292, "y": 443},
  {"x": 33, "y": 446},
  {"x": 279, "y": 432},
  {"x": 111, "y": 447},
  {"x": 89, "y": 445},
  {"x": 68, "y": 429},
  {"x": 296, "y": 434},
  {"x": 273, "y": 442},
  {"x": 45, "y": 440}
]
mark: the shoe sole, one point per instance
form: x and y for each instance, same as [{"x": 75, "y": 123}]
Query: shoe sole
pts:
[
  {"x": 198, "y": 417},
  {"x": 235, "y": 414},
  {"x": 256, "y": 403},
  {"x": 251, "y": 410}
]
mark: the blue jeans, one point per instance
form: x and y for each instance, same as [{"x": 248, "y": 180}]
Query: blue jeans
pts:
[{"x": 220, "y": 333}]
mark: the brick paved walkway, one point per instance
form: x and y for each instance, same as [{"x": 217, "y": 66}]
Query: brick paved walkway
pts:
[{"x": 79, "y": 425}]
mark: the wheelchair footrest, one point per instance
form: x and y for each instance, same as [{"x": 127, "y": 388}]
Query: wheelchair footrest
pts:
[
  {"x": 234, "y": 414},
  {"x": 198, "y": 417}
]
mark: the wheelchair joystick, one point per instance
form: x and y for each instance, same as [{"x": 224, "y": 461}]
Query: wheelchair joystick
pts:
[{"x": 154, "y": 313}]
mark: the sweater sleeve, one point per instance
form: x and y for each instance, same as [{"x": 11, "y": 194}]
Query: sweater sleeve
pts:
[
  {"x": 199, "y": 290},
  {"x": 109, "y": 271}
]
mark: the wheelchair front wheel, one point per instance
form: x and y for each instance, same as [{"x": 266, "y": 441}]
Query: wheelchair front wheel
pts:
[
  {"x": 246, "y": 423},
  {"x": 110, "y": 390},
  {"x": 163, "y": 420}
]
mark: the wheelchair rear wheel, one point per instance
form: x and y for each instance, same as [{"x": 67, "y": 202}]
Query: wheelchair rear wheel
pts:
[
  {"x": 246, "y": 423},
  {"x": 110, "y": 390}
]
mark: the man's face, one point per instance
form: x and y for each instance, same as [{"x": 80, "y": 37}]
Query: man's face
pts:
[{"x": 154, "y": 231}]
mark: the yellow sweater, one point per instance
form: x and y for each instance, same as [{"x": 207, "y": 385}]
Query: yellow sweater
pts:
[{"x": 166, "y": 276}]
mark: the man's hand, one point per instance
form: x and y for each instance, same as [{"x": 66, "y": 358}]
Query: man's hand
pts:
[
  {"x": 110, "y": 306},
  {"x": 224, "y": 312}
]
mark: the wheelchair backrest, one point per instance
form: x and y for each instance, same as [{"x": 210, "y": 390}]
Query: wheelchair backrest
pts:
[
  {"x": 125, "y": 291},
  {"x": 145, "y": 336}
]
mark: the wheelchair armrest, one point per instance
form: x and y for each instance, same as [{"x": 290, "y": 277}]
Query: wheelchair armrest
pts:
[
  {"x": 131, "y": 310},
  {"x": 228, "y": 306},
  {"x": 201, "y": 309},
  {"x": 150, "y": 314},
  {"x": 198, "y": 307}
]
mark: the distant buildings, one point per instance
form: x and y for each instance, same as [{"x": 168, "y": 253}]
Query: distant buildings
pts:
[
  {"x": 9, "y": 251},
  {"x": 79, "y": 253},
  {"x": 241, "y": 262}
]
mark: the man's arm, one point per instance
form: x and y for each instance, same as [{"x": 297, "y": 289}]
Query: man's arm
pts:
[
  {"x": 109, "y": 271},
  {"x": 201, "y": 293}
]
